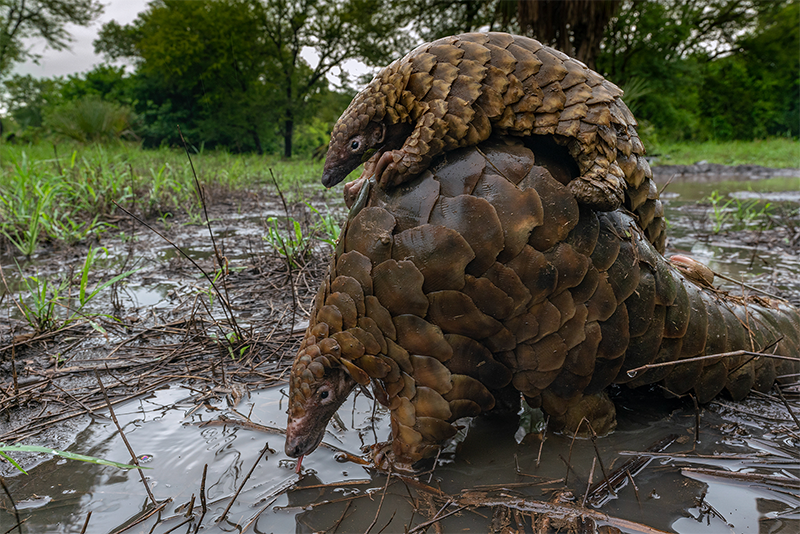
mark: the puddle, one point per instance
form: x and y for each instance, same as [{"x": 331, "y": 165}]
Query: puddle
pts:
[
  {"x": 181, "y": 440},
  {"x": 180, "y": 437}
]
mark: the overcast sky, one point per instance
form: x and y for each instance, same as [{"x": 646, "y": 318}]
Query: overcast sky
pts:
[{"x": 80, "y": 57}]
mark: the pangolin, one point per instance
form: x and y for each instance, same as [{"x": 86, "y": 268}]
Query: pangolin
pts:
[
  {"x": 457, "y": 91},
  {"x": 483, "y": 278}
]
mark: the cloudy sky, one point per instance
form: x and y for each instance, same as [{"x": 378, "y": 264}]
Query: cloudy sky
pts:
[{"x": 81, "y": 56}]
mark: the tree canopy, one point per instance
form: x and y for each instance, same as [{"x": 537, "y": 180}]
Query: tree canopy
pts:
[
  {"x": 255, "y": 75},
  {"x": 233, "y": 70}
]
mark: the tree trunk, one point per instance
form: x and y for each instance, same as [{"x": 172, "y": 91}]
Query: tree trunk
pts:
[
  {"x": 576, "y": 27},
  {"x": 288, "y": 131},
  {"x": 257, "y": 142}
]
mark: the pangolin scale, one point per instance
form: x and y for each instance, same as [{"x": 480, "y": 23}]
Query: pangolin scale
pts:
[
  {"x": 483, "y": 277},
  {"x": 457, "y": 91}
]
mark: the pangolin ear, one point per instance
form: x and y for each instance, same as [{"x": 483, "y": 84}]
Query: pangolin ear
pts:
[{"x": 377, "y": 133}]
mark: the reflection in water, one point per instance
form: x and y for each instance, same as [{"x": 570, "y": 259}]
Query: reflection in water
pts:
[{"x": 330, "y": 493}]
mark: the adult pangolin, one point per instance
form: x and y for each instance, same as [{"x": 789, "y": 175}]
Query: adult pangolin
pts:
[{"x": 487, "y": 275}]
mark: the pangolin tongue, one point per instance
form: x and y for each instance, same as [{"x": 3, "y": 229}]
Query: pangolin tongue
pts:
[{"x": 299, "y": 461}]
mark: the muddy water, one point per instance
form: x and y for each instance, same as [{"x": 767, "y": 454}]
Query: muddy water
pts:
[{"x": 179, "y": 437}]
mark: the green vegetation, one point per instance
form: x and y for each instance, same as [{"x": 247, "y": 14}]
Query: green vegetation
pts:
[
  {"x": 5, "y": 449},
  {"x": 731, "y": 214},
  {"x": 66, "y": 193},
  {"x": 775, "y": 152},
  {"x": 49, "y": 305}
]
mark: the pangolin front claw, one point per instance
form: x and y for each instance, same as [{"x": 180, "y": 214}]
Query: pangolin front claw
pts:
[{"x": 384, "y": 459}]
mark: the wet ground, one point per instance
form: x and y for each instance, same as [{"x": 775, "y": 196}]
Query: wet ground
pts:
[{"x": 204, "y": 412}]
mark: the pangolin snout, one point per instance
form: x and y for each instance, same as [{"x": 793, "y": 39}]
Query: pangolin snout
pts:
[{"x": 293, "y": 448}]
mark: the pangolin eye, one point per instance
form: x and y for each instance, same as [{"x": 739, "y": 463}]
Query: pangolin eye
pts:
[
  {"x": 323, "y": 395},
  {"x": 354, "y": 145}
]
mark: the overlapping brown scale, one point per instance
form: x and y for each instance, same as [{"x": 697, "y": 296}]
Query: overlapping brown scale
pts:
[
  {"x": 547, "y": 316},
  {"x": 641, "y": 304},
  {"x": 398, "y": 287},
  {"x": 489, "y": 299},
  {"x": 463, "y": 170},
  {"x": 694, "y": 341},
  {"x": 433, "y": 429},
  {"x": 587, "y": 287},
  {"x": 602, "y": 304},
  {"x": 643, "y": 349},
  {"x": 615, "y": 335},
  {"x": 711, "y": 382},
  {"x": 331, "y": 316},
  {"x": 440, "y": 254},
  {"x": 669, "y": 351},
  {"x": 371, "y": 345},
  {"x": 352, "y": 288},
  {"x": 463, "y": 408},
  {"x": 581, "y": 358},
  {"x": 467, "y": 388},
  {"x": 418, "y": 336},
  {"x": 509, "y": 158},
  {"x": 565, "y": 305},
  {"x": 551, "y": 351},
  {"x": 349, "y": 345},
  {"x": 717, "y": 334},
  {"x": 473, "y": 359},
  {"x": 381, "y": 316},
  {"x": 507, "y": 281},
  {"x": 560, "y": 210},
  {"x": 476, "y": 221},
  {"x": 524, "y": 327},
  {"x": 501, "y": 341},
  {"x": 573, "y": 331},
  {"x": 370, "y": 233},
  {"x": 374, "y": 366},
  {"x": 534, "y": 271},
  {"x": 409, "y": 203},
  {"x": 456, "y": 313},
  {"x": 371, "y": 327},
  {"x": 519, "y": 211},
  {"x": 570, "y": 265},
  {"x": 346, "y": 306},
  {"x": 624, "y": 274},
  {"x": 430, "y": 372},
  {"x": 428, "y": 403}
]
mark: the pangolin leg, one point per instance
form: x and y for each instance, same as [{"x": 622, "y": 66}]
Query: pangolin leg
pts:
[
  {"x": 598, "y": 409},
  {"x": 386, "y": 172},
  {"x": 602, "y": 196},
  {"x": 352, "y": 189}
]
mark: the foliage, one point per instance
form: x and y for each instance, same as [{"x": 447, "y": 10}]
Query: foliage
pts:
[
  {"x": 734, "y": 214},
  {"x": 91, "y": 119},
  {"x": 46, "y": 19},
  {"x": 294, "y": 244},
  {"x": 764, "y": 73},
  {"x": 681, "y": 47},
  {"x": 5, "y": 449},
  {"x": 45, "y": 299},
  {"x": 230, "y": 71}
]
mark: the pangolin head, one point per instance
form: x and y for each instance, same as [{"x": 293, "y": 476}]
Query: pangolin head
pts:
[
  {"x": 319, "y": 384},
  {"x": 352, "y": 143}
]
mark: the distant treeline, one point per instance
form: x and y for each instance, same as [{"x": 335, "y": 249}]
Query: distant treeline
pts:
[{"x": 229, "y": 72}]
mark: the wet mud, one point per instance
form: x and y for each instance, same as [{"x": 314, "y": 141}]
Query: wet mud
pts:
[{"x": 201, "y": 402}]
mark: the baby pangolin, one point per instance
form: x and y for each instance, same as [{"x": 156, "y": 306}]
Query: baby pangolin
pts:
[
  {"x": 483, "y": 278},
  {"x": 457, "y": 91}
]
